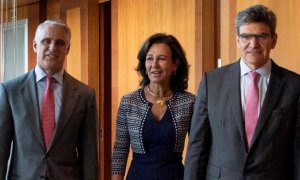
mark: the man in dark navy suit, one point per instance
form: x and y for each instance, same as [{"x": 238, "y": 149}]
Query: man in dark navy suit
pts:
[{"x": 223, "y": 143}]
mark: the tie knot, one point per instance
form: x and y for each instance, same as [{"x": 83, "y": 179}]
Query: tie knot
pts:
[
  {"x": 49, "y": 80},
  {"x": 254, "y": 76}
]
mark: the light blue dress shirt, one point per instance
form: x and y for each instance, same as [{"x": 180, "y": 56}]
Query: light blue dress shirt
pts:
[{"x": 57, "y": 86}]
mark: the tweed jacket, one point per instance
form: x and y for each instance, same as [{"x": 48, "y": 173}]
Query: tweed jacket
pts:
[{"x": 131, "y": 117}]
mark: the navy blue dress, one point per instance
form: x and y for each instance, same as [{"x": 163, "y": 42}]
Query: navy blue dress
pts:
[{"x": 160, "y": 161}]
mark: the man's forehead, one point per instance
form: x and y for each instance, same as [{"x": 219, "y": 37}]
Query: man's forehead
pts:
[
  {"x": 49, "y": 33},
  {"x": 254, "y": 27}
]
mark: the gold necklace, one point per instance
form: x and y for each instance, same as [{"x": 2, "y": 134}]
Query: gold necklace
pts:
[{"x": 161, "y": 100}]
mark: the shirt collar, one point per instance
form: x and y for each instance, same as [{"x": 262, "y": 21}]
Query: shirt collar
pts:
[
  {"x": 40, "y": 74},
  {"x": 265, "y": 70}
]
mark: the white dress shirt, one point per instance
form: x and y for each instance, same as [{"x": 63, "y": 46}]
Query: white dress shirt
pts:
[{"x": 265, "y": 73}]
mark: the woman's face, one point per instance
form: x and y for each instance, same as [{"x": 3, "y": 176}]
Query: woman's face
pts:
[{"x": 159, "y": 64}]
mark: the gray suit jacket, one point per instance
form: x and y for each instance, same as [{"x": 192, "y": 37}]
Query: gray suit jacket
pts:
[
  {"x": 72, "y": 153},
  {"x": 217, "y": 147}
]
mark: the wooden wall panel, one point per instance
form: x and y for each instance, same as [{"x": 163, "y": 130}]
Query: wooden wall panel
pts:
[
  {"x": 53, "y": 9},
  {"x": 114, "y": 66},
  {"x": 228, "y": 50},
  {"x": 206, "y": 28},
  {"x": 86, "y": 36},
  {"x": 137, "y": 20},
  {"x": 74, "y": 67}
]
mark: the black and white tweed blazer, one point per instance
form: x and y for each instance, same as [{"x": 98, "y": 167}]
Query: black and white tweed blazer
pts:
[{"x": 131, "y": 116}]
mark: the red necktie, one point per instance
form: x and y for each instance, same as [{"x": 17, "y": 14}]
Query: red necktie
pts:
[
  {"x": 48, "y": 112},
  {"x": 251, "y": 107}
]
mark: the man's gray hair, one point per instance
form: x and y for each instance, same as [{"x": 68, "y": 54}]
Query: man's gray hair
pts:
[
  {"x": 58, "y": 23},
  {"x": 259, "y": 14}
]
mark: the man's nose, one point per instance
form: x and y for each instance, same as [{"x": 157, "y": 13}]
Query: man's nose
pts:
[
  {"x": 53, "y": 45},
  {"x": 254, "y": 42}
]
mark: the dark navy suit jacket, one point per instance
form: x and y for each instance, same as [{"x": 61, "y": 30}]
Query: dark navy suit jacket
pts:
[{"x": 217, "y": 146}]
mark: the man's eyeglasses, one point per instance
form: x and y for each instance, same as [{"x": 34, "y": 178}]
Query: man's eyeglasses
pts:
[{"x": 259, "y": 37}]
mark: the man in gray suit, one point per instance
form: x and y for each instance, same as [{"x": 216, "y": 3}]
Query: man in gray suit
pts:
[
  {"x": 224, "y": 143},
  {"x": 70, "y": 151}
]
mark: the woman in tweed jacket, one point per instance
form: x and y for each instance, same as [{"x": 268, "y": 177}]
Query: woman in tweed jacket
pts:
[{"x": 155, "y": 119}]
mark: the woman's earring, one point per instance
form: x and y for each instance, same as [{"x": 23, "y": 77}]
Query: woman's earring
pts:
[{"x": 174, "y": 73}]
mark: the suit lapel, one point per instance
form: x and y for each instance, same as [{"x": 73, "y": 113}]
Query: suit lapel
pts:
[
  {"x": 274, "y": 89},
  {"x": 235, "y": 100},
  {"x": 70, "y": 96},
  {"x": 28, "y": 94}
]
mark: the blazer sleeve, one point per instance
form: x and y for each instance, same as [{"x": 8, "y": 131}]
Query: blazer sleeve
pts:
[
  {"x": 6, "y": 131},
  {"x": 87, "y": 149},
  {"x": 200, "y": 137},
  {"x": 122, "y": 141}
]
